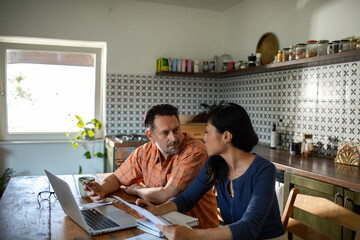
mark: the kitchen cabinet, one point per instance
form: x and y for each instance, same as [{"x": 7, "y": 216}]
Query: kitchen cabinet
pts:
[
  {"x": 342, "y": 57},
  {"x": 341, "y": 195},
  {"x": 117, "y": 151},
  {"x": 197, "y": 130}
]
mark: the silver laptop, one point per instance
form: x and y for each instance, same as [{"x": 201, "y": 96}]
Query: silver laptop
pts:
[{"x": 96, "y": 220}]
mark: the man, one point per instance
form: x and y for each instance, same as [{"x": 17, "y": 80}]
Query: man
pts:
[{"x": 167, "y": 165}]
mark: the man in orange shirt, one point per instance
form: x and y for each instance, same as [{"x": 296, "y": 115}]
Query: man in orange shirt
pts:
[{"x": 167, "y": 165}]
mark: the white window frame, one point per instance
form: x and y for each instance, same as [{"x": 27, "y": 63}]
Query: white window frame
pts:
[{"x": 98, "y": 48}]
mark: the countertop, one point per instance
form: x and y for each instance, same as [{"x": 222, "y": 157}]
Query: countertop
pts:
[{"x": 316, "y": 167}]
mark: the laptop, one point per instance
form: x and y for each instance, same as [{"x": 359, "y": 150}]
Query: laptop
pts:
[{"x": 95, "y": 221}]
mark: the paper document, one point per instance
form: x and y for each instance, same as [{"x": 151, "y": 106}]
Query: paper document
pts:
[
  {"x": 149, "y": 224},
  {"x": 143, "y": 212}
]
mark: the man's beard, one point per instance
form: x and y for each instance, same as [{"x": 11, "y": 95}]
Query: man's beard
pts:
[{"x": 175, "y": 150}]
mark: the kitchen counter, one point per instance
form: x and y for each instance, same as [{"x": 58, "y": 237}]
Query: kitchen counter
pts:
[{"x": 316, "y": 167}]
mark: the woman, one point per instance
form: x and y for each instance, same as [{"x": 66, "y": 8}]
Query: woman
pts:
[{"x": 245, "y": 183}]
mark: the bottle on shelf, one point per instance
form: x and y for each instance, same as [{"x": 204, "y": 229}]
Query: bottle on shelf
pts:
[{"x": 273, "y": 137}]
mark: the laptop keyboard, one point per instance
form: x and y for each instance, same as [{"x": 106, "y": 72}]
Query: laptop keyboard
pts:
[{"x": 97, "y": 220}]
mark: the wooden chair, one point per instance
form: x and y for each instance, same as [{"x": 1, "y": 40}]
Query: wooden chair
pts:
[{"x": 321, "y": 207}]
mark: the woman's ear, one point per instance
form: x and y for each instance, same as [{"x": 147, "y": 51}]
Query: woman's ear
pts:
[{"x": 227, "y": 136}]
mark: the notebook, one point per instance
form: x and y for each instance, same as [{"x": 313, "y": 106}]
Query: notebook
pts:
[
  {"x": 95, "y": 221},
  {"x": 149, "y": 224}
]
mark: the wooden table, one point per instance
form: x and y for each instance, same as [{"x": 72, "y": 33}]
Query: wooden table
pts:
[{"x": 21, "y": 217}]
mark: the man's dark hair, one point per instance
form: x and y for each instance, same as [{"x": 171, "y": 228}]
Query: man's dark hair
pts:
[
  {"x": 160, "y": 110},
  {"x": 233, "y": 118}
]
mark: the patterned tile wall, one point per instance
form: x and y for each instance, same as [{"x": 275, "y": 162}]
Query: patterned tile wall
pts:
[
  {"x": 129, "y": 96},
  {"x": 323, "y": 101}
]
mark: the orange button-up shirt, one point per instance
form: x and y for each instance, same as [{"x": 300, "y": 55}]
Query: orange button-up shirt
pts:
[{"x": 179, "y": 171}]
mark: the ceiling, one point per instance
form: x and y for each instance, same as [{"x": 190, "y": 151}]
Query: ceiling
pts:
[{"x": 216, "y": 5}]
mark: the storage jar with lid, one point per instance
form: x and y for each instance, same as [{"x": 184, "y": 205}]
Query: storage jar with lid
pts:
[
  {"x": 322, "y": 47},
  {"x": 353, "y": 43},
  {"x": 292, "y": 52},
  {"x": 300, "y": 51},
  {"x": 344, "y": 45},
  {"x": 311, "y": 48},
  {"x": 286, "y": 54},
  {"x": 335, "y": 46}
]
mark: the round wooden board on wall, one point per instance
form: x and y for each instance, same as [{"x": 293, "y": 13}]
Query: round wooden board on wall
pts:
[{"x": 268, "y": 47}]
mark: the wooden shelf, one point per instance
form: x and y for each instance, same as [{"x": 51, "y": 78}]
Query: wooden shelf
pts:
[{"x": 342, "y": 57}]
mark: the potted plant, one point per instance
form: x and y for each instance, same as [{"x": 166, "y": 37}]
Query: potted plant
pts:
[
  {"x": 201, "y": 117},
  {"x": 87, "y": 131}
]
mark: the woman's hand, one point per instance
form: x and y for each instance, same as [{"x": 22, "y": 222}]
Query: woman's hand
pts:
[
  {"x": 149, "y": 206},
  {"x": 177, "y": 232},
  {"x": 96, "y": 193}
]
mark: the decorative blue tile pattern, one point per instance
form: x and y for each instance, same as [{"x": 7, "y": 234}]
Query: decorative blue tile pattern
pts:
[
  {"x": 129, "y": 96},
  {"x": 323, "y": 101}
]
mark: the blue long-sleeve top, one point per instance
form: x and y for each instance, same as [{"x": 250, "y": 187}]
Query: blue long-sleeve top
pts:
[{"x": 253, "y": 212}]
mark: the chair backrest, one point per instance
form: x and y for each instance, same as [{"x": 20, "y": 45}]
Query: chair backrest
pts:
[{"x": 321, "y": 207}]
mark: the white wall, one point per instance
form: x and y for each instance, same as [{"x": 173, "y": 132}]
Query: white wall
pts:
[
  {"x": 292, "y": 21},
  {"x": 137, "y": 33}
]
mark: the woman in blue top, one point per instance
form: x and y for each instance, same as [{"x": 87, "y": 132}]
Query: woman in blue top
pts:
[{"x": 245, "y": 183}]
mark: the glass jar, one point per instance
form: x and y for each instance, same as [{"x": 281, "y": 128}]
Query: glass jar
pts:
[
  {"x": 344, "y": 45},
  {"x": 292, "y": 52},
  {"x": 353, "y": 42},
  {"x": 329, "y": 48},
  {"x": 311, "y": 48},
  {"x": 205, "y": 66},
  {"x": 286, "y": 54},
  {"x": 300, "y": 51},
  {"x": 322, "y": 47},
  {"x": 335, "y": 46}
]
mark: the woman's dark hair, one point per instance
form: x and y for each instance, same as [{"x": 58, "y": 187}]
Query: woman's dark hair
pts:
[
  {"x": 160, "y": 110},
  {"x": 234, "y": 119}
]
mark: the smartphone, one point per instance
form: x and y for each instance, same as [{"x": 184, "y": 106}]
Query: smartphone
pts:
[{"x": 85, "y": 184}]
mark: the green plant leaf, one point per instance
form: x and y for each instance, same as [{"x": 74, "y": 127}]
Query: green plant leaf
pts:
[
  {"x": 80, "y": 170},
  {"x": 67, "y": 134},
  {"x": 99, "y": 155},
  {"x": 74, "y": 144},
  {"x": 78, "y": 137},
  {"x": 98, "y": 125},
  {"x": 90, "y": 133},
  {"x": 83, "y": 133},
  {"x": 87, "y": 155}
]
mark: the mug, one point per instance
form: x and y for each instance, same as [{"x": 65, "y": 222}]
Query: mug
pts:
[{"x": 81, "y": 186}]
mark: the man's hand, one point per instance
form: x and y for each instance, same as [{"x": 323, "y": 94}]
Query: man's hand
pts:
[
  {"x": 132, "y": 190},
  {"x": 97, "y": 194}
]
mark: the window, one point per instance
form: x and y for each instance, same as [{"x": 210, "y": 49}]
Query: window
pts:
[{"x": 45, "y": 82}]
